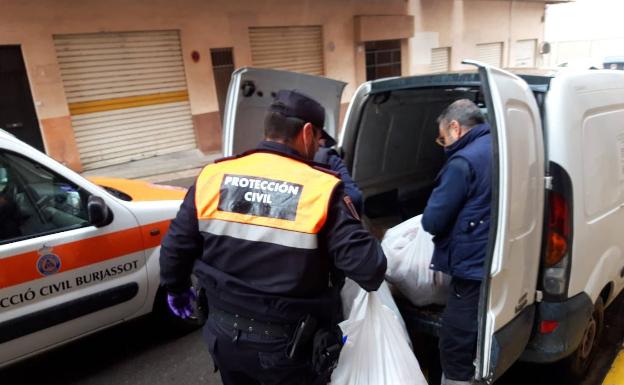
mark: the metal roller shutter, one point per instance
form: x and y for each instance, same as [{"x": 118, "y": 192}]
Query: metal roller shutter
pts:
[
  {"x": 524, "y": 53},
  {"x": 298, "y": 49},
  {"x": 127, "y": 95},
  {"x": 440, "y": 59},
  {"x": 491, "y": 53}
]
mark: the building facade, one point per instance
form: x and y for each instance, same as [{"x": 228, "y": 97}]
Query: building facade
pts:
[
  {"x": 96, "y": 83},
  {"x": 584, "y": 34},
  {"x": 501, "y": 33}
]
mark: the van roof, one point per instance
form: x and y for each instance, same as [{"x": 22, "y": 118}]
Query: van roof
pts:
[{"x": 537, "y": 78}]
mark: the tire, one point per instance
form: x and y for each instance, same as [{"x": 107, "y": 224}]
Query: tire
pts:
[
  {"x": 175, "y": 324},
  {"x": 577, "y": 364}
]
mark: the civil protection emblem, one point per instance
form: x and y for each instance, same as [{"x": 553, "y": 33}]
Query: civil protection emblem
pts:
[{"x": 48, "y": 263}]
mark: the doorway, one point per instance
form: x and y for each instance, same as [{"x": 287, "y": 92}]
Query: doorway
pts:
[
  {"x": 222, "y": 67},
  {"x": 17, "y": 111}
]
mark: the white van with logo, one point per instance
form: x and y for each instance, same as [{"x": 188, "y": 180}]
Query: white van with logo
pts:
[
  {"x": 556, "y": 255},
  {"x": 73, "y": 258}
]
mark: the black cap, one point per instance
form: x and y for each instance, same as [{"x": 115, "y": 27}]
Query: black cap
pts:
[{"x": 293, "y": 104}]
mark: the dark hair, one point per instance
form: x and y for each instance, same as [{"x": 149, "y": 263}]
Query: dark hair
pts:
[
  {"x": 278, "y": 126},
  {"x": 464, "y": 111}
]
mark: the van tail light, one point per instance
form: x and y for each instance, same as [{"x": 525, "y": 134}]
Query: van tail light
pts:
[
  {"x": 547, "y": 326},
  {"x": 557, "y": 245},
  {"x": 558, "y": 230}
]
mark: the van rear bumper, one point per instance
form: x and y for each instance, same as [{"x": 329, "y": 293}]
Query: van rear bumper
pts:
[{"x": 572, "y": 315}]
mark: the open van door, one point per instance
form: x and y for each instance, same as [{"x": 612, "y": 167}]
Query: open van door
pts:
[
  {"x": 251, "y": 92},
  {"x": 508, "y": 293}
]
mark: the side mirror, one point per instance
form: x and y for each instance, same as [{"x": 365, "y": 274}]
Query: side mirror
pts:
[{"x": 99, "y": 214}]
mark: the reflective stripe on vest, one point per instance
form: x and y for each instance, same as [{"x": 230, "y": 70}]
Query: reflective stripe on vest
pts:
[
  {"x": 256, "y": 233},
  {"x": 268, "y": 190}
]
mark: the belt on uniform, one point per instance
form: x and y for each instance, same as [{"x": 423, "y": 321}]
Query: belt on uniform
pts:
[{"x": 250, "y": 325}]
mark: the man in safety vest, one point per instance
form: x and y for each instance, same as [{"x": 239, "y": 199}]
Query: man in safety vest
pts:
[{"x": 269, "y": 236}]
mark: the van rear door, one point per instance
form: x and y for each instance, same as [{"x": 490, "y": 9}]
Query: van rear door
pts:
[
  {"x": 251, "y": 92},
  {"x": 509, "y": 289}
]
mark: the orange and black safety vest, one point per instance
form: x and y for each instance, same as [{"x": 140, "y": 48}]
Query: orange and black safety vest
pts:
[{"x": 261, "y": 217}]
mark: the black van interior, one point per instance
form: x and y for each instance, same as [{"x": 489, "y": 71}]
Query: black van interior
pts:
[{"x": 396, "y": 159}]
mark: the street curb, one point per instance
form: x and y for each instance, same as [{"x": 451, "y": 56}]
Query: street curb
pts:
[
  {"x": 616, "y": 373},
  {"x": 192, "y": 173}
]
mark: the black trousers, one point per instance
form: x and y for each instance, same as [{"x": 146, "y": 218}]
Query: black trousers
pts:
[
  {"x": 458, "y": 335},
  {"x": 254, "y": 359}
]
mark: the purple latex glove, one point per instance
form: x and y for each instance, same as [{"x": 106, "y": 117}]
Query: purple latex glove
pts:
[{"x": 182, "y": 304}]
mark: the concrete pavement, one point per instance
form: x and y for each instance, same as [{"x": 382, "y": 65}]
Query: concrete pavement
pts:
[
  {"x": 178, "y": 165},
  {"x": 136, "y": 353}
]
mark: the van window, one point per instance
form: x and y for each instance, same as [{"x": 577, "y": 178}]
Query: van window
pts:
[{"x": 36, "y": 201}]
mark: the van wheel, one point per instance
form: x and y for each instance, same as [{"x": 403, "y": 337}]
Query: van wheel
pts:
[
  {"x": 176, "y": 324},
  {"x": 578, "y": 363}
]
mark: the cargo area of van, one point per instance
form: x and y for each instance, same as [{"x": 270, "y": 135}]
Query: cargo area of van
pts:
[
  {"x": 390, "y": 148},
  {"x": 395, "y": 162},
  {"x": 395, "y": 159}
]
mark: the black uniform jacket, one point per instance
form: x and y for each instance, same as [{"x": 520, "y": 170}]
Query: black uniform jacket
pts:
[{"x": 259, "y": 280}]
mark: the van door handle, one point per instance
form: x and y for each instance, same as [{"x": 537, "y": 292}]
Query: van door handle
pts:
[{"x": 15, "y": 125}]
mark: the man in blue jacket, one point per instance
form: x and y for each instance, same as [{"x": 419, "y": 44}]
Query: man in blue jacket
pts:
[
  {"x": 458, "y": 215},
  {"x": 329, "y": 157}
]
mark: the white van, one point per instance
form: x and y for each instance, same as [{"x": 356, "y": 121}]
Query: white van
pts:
[
  {"x": 73, "y": 258},
  {"x": 556, "y": 256}
]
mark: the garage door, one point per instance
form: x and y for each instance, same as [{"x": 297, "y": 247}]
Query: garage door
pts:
[
  {"x": 440, "y": 59},
  {"x": 127, "y": 95},
  {"x": 298, "y": 49},
  {"x": 524, "y": 53},
  {"x": 491, "y": 53}
]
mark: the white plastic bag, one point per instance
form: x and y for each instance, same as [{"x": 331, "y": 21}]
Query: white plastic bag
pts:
[
  {"x": 351, "y": 290},
  {"x": 377, "y": 350},
  {"x": 409, "y": 249}
]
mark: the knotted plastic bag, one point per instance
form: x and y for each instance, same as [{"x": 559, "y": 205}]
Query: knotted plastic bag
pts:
[
  {"x": 377, "y": 350},
  {"x": 409, "y": 249}
]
